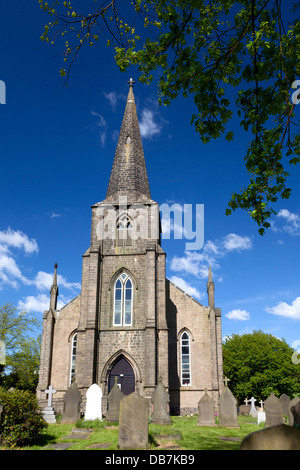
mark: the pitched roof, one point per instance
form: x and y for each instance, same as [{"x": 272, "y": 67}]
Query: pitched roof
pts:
[{"x": 129, "y": 173}]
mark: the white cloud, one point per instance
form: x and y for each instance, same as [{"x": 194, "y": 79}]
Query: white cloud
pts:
[
  {"x": 179, "y": 282},
  {"x": 38, "y": 303},
  {"x": 285, "y": 310},
  {"x": 43, "y": 281},
  {"x": 286, "y": 221},
  {"x": 54, "y": 215},
  {"x": 238, "y": 315},
  {"x": 292, "y": 221},
  {"x": 102, "y": 125},
  {"x": 10, "y": 273},
  {"x": 232, "y": 242},
  {"x": 148, "y": 127},
  {"x": 17, "y": 239},
  {"x": 112, "y": 98},
  {"x": 197, "y": 262}
]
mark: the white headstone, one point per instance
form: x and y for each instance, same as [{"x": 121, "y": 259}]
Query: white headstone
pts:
[
  {"x": 253, "y": 411},
  {"x": 261, "y": 417},
  {"x": 48, "y": 412},
  {"x": 50, "y": 393},
  {"x": 93, "y": 408},
  {"x": 252, "y": 401}
]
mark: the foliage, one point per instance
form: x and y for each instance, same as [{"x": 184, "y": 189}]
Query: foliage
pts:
[
  {"x": 207, "y": 50},
  {"x": 21, "y": 421},
  {"x": 258, "y": 364},
  {"x": 21, "y": 351},
  {"x": 23, "y": 366}
]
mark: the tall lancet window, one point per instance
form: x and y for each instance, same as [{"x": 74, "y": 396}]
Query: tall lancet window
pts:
[
  {"x": 73, "y": 357},
  {"x": 124, "y": 231},
  {"x": 123, "y": 296},
  {"x": 185, "y": 359}
]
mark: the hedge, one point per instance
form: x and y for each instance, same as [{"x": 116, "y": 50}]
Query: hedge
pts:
[{"x": 21, "y": 419}]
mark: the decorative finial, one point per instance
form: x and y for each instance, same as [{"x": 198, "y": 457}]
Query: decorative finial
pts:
[
  {"x": 131, "y": 82},
  {"x": 56, "y": 266}
]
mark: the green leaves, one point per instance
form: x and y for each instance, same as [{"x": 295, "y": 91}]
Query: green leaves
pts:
[
  {"x": 258, "y": 364},
  {"x": 226, "y": 55}
]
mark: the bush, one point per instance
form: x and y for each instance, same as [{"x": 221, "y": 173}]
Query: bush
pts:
[{"x": 21, "y": 420}]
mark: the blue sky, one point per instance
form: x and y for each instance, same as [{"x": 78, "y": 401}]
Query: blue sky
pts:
[{"x": 57, "y": 147}]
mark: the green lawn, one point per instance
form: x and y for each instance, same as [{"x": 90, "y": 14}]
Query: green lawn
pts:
[{"x": 192, "y": 437}]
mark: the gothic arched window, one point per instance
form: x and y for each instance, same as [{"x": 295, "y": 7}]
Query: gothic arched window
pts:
[
  {"x": 185, "y": 347},
  {"x": 73, "y": 357},
  {"x": 124, "y": 231},
  {"x": 123, "y": 296}
]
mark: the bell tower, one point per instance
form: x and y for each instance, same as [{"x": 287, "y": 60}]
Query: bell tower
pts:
[{"x": 123, "y": 299}]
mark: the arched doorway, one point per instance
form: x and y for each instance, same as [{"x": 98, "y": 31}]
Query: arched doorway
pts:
[{"x": 126, "y": 380}]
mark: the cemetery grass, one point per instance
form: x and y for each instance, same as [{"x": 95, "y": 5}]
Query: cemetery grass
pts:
[{"x": 192, "y": 437}]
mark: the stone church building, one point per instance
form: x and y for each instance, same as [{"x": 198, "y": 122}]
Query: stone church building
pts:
[{"x": 129, "y": 321}]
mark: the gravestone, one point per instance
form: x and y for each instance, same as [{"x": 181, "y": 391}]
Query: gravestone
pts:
[
  {"x": 293, "y": 402},
  {"x": 285, "y": 401},
  {"x": 48, "y": 412},
  {"x": 93, "y": 409},
  {"x": 206, "y": 413},
  {"x": 244, "y": 410},
  {"x": 114, "y": 398},
  {"x": 273, "y": 409},
  {"x": 72, "y": 400},
  {"x": 133, "y": 422},
  {"x": 278, "y": 437},
  {"x": 295, "y": 410},
  {"x": 261, "y": 406},
  {"x": 228, "y": 410},
  {"x": 160, "y": 402},
  {"x": 253, "y": 411},
  {"x": 261, "y": 417}
]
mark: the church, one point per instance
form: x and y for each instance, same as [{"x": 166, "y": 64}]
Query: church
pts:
[{"x": 130, "y": 322}]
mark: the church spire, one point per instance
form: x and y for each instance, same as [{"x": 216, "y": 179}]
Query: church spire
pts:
[
  {"x": 54, "y": 290},
  {"x": 210, "y": 289},
  {"x": 129, "y": 173}
]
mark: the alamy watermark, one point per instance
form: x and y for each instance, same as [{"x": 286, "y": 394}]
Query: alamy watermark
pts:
[
  {"x": 296, "y": 353},
  {"x": 2, "y": 92},
  {"x": 294, "y": 97},
  {"x": 139, "y": 221}
]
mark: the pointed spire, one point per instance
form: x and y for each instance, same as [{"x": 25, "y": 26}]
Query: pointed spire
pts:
[
  {"x": 129, "y": 173},
  {"x": 210, "y": 289},
  {"x": 54, "y": 290}
]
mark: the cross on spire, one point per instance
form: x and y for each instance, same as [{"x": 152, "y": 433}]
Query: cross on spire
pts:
[{"x": 131, "y": 82}]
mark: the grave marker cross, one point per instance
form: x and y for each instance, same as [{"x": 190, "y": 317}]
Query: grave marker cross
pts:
[{"x": 50, "y": 393}]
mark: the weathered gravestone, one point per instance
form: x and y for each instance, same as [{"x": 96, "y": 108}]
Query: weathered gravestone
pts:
[
  {"x": 48, "y": 412},
  {"x": 72, "y": 400},
  {"x": 293, "y": 403},
  {"x": 93, "y": 409},
  {"x": 278, "y": 437},
  {"x": 160, "y": 402},
  {"x": 285, "y": 401},
  {"x": 114, "y": 398},
  {"x": 228, "y": 410},
  {"x": 273, "y": 409},
  {"x": 206, "y": 412},
  {"x": 295, "y": 410},
  {"x": 133, "y": 422}
]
